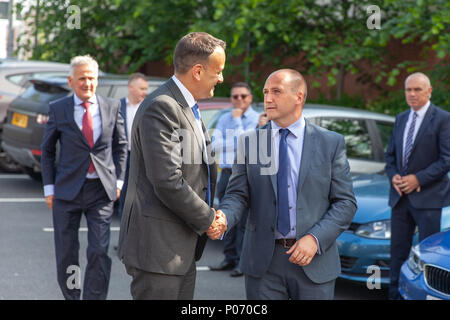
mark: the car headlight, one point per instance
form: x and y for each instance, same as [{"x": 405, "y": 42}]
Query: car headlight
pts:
[
  {"x": 376, "y": 230},
  {"x": 414, "y": 261}
]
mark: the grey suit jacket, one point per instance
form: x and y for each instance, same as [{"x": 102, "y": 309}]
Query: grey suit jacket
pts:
[
  {"x": 325, "y": 202},
  {"x": 165, "y": 214},
  {"x": 109, "y": 153}
]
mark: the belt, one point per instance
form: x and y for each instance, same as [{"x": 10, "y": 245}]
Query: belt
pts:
[{"x": 287, "y": 243}]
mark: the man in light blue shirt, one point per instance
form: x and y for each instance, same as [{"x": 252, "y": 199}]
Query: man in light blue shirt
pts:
[{"x": 230, "y": 126}]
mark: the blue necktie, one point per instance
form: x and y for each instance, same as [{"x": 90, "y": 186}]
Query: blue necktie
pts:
[
  {"x": 409, "y": 143},
  {"x": 283, "y": 221},
  {"x": 208, "y": 190}
]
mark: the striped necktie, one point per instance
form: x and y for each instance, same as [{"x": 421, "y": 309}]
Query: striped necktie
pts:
[{"x": 409, "y": 143}]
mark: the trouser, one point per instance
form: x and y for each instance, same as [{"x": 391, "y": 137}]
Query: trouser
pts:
[
  {"x": 285, "y": 280},
  {"x": 98, "y": 208},
  {"x": 404, "y": 219},
  {"x": 157, "y": 286}
]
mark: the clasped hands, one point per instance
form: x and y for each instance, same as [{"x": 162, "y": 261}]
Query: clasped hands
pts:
[
  {"x": 218, "y": 226},
  {"x": 405, "y": 184}
]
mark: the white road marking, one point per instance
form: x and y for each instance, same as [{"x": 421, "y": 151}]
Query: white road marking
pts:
[
  {"x": 15, "y": 176},
  {"x": 22, "y": 200},
  {"x": 203, "y": 268},
  {"x": 82, "y": 229}
]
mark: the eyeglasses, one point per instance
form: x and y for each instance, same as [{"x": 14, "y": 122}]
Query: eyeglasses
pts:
[{"x": 236, "y": 96}]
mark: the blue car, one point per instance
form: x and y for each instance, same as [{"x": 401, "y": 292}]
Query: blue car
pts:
[
  {"x": 426, "y": 274},
  {"x": 365, "y": 247}
]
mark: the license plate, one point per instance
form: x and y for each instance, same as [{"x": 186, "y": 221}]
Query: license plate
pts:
[{"x": 20, "y": 120}]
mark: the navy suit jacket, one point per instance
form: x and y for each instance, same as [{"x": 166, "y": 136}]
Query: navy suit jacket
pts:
[
  {"x": 429, "y": 159},
  {"x": 109, "y": 153}
]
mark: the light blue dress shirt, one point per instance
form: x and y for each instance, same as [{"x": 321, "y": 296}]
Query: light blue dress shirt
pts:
[{"x": 228, "y": 129}]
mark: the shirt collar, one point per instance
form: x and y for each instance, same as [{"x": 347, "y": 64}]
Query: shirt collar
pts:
[
  {"x": 421, "y": 112},
  {"x": 185, "y": 92},
  {"x": 78, "y": 101},
  {"x": 297, "y": 128},
  {"x": 247, "y": 112}
]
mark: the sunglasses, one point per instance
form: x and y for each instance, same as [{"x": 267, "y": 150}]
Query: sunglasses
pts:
[{"x": 236, "y": 96}]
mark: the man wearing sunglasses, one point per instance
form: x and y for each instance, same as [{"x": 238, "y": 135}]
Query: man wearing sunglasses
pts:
[{"x": 232, "y": 124}]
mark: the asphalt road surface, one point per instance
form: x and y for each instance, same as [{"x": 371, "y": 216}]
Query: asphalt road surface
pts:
[{"x": 27, "y": 263}]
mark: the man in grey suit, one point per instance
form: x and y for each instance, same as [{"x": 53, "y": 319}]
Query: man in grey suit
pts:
[
  {"x": 299, "y": 202},
  {"x": 172, "y": 177}
]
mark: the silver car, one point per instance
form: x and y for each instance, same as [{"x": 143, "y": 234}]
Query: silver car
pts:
[{"x": 366, "y": 133}]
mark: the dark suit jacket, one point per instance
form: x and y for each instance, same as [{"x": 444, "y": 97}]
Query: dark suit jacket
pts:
[
  {"x": 108, "y": 154},
  {"x": 165, "y": 214},
  {"x": 123, "y": 111},
  {"x": 429, "y": 159},
  {"x": 325, "y": 202}
]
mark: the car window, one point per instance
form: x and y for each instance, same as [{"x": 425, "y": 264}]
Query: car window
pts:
[
  {"x": 43, "y": 92},
  {"x": 120, "y": 91},
  {"x": 103, "y": 90},
  {"x": 385, "y": 129},
  {"x": 357, "y": 138},
  {"x": 18, "y": 79}
]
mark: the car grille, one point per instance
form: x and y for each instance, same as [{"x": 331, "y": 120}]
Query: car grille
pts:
[
  {"x": 437, "y": 279},
  {"x": 348, "y": 262}
]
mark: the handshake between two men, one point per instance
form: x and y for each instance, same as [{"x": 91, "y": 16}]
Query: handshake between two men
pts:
[{"x": 218, "y": 226}]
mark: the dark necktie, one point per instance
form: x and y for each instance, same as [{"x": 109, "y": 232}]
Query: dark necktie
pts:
[
  {"x": 88, "y": 130},
  {"x": 409, "y": 143},
  {"x": 283, "y": 221},
  {"x": 208, "y": 190}
]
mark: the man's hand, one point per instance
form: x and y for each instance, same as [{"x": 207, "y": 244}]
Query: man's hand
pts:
[
  {"x": 262, "y": 120},
  {"x": 237, "y": 113},
  {"x": 218, "y": 226},
  {"x": 303, "y": 251},
  {"x": 118, "y": 194},
  {"x": 409, "y": 184},
  {"x": 396, "y": 181},
  {"x": 49, "y": 201}
]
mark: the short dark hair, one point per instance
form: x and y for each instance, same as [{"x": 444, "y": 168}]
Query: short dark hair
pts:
[
  {"x": 135, "y": 76},
  {"x": 242, "y": 85},
  {"x": 193, "y": 48}
]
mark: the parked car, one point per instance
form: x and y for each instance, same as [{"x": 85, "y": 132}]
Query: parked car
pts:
[
  {"x": 367, "y": 241},
  {"x": 14, "y": 76},
  {"x": 28, "y": 114},
  {"x": 366, "y": 133},
  {"x": 426, "y": 273}
]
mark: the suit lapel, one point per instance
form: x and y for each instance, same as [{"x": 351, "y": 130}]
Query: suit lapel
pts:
[
  {"x": 307, "y": 154},
  {"x": 399, "y": 140},
  {"x": 102, "y": 109},
  {"x": 272, "y": 177},
  {"x": 178, "y": 96},
  {"x": 69, "y": 112},
  {"x": 423, "y": 126}
]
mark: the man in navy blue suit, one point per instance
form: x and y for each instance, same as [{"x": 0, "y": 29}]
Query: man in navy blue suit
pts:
[
  {"x": 87, "y": 177},
  {"x": 137, "y": 91},
  {"x": 417, "y": 164}
]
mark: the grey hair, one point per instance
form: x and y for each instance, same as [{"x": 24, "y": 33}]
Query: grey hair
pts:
[{"x": 80, "y": 61}]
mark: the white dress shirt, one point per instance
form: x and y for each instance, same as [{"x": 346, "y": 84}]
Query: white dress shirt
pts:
[{"x": 131, "y": 110}]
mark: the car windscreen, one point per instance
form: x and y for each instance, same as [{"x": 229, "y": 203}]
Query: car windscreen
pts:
[{"x": 44, "y": 92}]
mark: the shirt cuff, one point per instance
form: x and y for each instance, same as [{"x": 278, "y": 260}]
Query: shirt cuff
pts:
[
  {"x": 49, "y": 190},
  {"x": 319, "y": 252},
  {"x": 119, "y": 184}
]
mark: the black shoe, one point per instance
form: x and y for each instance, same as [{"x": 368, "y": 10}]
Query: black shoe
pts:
[
  {"x": 236, "y": 273},
  {"x": 224, "y": 265}
]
